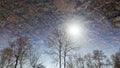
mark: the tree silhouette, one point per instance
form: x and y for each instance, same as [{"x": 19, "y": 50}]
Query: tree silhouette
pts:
[
  {"x": 60, "y": 46},
  {"x": 6, "y": 57},
  {"x": 116, "y": 59},
  {"x": 89, "y": 60},
  {"x": 98, "y": 57},
  {"x": 20, "y": 49}
]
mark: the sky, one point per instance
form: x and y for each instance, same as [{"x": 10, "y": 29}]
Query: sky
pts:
[{"x": 100, "y": 28}]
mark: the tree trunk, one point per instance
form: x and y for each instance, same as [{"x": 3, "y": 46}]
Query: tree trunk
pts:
[
  {"x": 16, "y": 61},
  {"x": 21, "y": 63},
  {"x": 60, "y": 61},
  {"x": 65, "y": 58},
  {"x": 82, "y": 64},
  {"x": 99, "y": 64}
]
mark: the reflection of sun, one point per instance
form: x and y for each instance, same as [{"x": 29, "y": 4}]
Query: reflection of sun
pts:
[{"x": 74, "y": 30}]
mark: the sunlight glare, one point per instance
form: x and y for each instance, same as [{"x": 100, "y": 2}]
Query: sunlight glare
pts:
[{"x": 74, "y": 30}]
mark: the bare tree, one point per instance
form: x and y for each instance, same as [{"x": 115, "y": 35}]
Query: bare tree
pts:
[
  {"x": 6, "y": 57},
  {"x": 55, "y": 44},
  {"x": 60, "y": 45},
  {"x": 98, "y": 57},
  {"x": 70, "y": 62},
  {"x": 79, "y": 61},
  {"x": 67, "y": 49},
  {"x": 40, "y": 66},
  {"x": 88, "y": 60},
  {"x": 34, "y": 57},
  {"x": 20, "y": 49},
  {"x": 108, "y": 63},
  {"x": 116, "y": 59}
]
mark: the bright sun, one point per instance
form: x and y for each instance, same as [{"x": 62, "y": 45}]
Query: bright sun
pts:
[{"x": 74, "y": 30}]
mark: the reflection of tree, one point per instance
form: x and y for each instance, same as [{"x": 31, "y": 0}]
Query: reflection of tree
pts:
[
  {"x": 79, "y": 61},
  {"x": 60, "y": 46},
  {"x": 18, "y": 53},
  {"x": 88, "y": 60},
  {"x": 40, "y": 66},
  {"x": 116, "y": 59},
  {"x": 34, "y": 58},
  {"x": 20, "y": 49},
  {"x": 6, "y": 58},
  {"x": 98, "y": 57}
]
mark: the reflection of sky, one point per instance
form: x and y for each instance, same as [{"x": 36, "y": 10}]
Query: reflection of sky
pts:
[{"x": 99, "y": 35}]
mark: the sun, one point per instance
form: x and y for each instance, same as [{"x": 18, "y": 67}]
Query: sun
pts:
[{"x": 74, "y": 30}]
